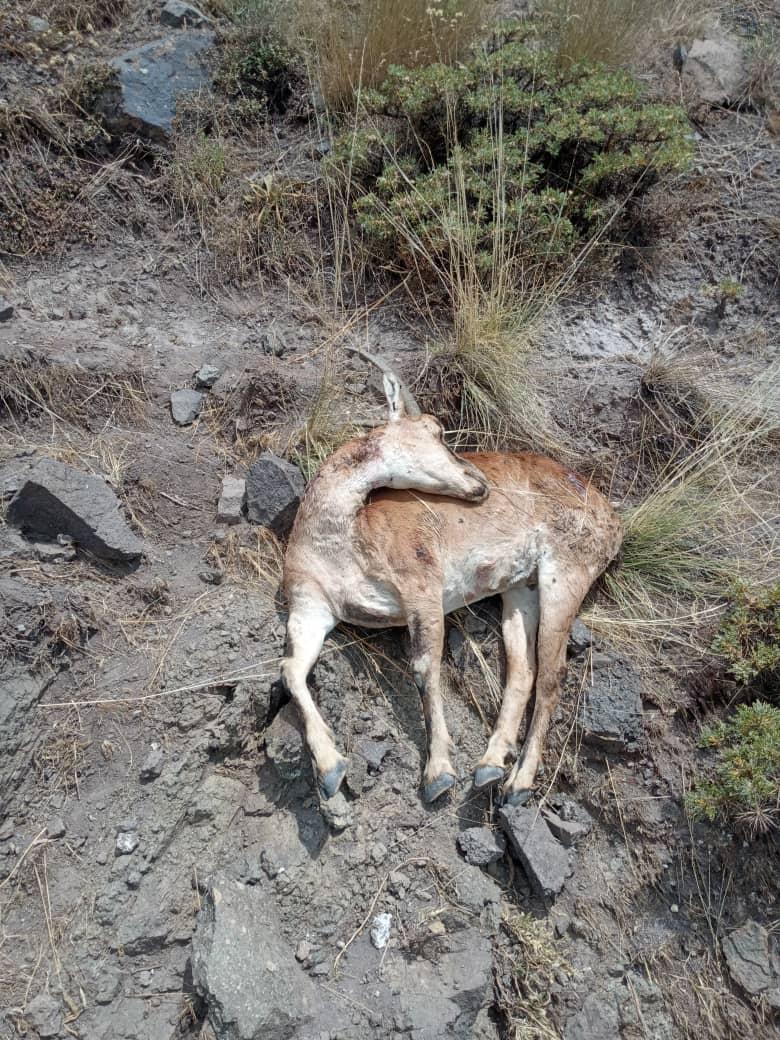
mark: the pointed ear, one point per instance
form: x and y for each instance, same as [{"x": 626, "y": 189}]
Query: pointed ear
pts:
[{"x": 394, "y": 395}]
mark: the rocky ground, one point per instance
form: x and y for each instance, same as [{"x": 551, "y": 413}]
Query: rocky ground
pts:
[{"x": 166, "y": 867}]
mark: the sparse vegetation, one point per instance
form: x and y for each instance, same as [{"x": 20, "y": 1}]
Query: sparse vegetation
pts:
[
  {"x": 745, "y": 783},
  {"x": 528, "y": 966},
  {"x": 355, "y": 46},
  {"x": 749, "y": 638}
]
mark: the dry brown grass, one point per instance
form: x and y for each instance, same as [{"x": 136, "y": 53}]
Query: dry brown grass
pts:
[
  {"x": 354, "y": 44},
  {"x": 618, "y": 32},
  {"x": 34, "y": 389},
  {"x": 527, "y": 966},
  {"x": 83, "y": 15},
  {"x": 254, "y": 557}
]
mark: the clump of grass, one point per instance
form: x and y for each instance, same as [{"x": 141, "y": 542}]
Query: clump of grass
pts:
[
  {"x": 745, "y": 783},
  {"x": 763, "y": 87},
  {"x": 36, "y": 388},
  {"x": 85, "y": 14},
  {"x": 749, "y": 638},
  {"x": 355, "y": 45},
  {"x": 615, "y": 31},
  {"x": 255, "y": 557},
  {"x": 527, "y": 966},
  {"x": 697, "y": 528},
  {"x": 324, "y": 429},
  {"x": 258, "y": 68}
]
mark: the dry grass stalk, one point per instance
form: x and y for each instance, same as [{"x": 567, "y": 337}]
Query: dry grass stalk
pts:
[
  {"x": 258, "y": 563},
  {"x": 354, "y": 45},
  {"x": 527, "y": 967}
]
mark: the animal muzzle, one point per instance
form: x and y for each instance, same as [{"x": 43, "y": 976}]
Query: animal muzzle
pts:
[{"x": 478, "y": 487}]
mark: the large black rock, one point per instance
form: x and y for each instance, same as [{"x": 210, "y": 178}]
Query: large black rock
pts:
[
  {"x": 150, "y": 79},
  {"x": 273, "y": 492},
  {"x": 58, "y": 499}
]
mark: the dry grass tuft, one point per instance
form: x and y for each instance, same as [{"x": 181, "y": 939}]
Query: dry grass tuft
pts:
[
  {"x": 31, "y": 389},
  {"x": 253, "y": 557},
  {"x": 354, "y": 45},
  {"x": 618, "y": 32},
  {"x": 527, "y": 967},
  {"x": 702, "y": 524},
  {"x": 86, "y": 15}
]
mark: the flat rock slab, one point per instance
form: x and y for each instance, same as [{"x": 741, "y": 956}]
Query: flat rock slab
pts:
[
  {"x": 481, "y": 846},
  {"x": 246, "y": 972},
  {"x": 545, "y": 861},
  {"x": 611, "y": 714},
  {"x": 231, "y": 500},
  {"x": 273, "y": 490},
  {"x": 150, "y": 79},
  {"x": 750, "y": 953},
  {"x": 58, "y": 499}
]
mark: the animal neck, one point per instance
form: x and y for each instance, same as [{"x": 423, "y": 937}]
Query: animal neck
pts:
[{"x": 343, "y": 483}]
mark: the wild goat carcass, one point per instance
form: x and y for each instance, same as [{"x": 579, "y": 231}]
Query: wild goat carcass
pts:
[{"x": 397, "y": 530}]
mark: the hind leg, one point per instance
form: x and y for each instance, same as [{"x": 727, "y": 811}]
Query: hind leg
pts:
[
  {"x": 561, "y": 592},
  {"x": 308, "y": 623},
  {"x": 426, "y": 631},
  {"x": 519, "y": 625}
]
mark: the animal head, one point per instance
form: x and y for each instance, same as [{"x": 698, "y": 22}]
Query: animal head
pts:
[{"x": 412, "y": 448}]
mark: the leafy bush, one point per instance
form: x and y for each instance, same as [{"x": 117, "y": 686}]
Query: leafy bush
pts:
[
  {"x": 749, "y": 637},
  {"x": 258, "y": 68},
  {"x": 745, "y": 785},
  {"x": 508, "y": 148}
]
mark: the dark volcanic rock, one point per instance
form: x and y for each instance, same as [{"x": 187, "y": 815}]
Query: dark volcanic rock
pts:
[
  {"x": 284, "y": 742},
  {"x": 481, "y": 846},
  {"x": 749, "y": 957},
  {"x": 245, "y": 971},
  {"x": 546, "y": 862},
  {"x": 273, "y": 491},
  {"x": 6, "y": 309},
  {"x": 611, "y": 715},
  {"x": 150, "y": 79},
  {"x": 44, "y": 1015},
  {"x": 567, "y": 820},
  {"x": 58, "y": 499}
]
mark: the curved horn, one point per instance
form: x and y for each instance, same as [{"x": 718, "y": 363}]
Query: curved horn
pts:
[{"x": 411, "y": 406}]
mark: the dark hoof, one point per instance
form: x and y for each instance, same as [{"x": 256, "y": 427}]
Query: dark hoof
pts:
[
  {"x": 330, "y": 783},
  {"x": 487, "y": 775},
  {"x": 436, "y": 788},
  {"x": 515, "y": 798}
]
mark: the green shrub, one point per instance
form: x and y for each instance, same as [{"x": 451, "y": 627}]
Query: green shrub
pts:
[
  {"x": 507, "y": 147},
  {"x": 745, "y": 783},
  {"x": 749, "y": 637},
  {"x": 257, "y": 67}
]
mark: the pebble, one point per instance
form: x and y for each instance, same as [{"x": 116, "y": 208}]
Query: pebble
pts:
[
  {"x": 6, "y": 309},
  {"x": 380, "y": 930},
  {"x": 55, "y": 828},
  {"x": 126, "y": 842},
  {"x": 152, "y": 764},
  {"x": 206, "y": 376}
]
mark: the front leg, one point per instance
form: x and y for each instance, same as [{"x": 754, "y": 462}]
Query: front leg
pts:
[
  {"x": 426, "y": 631},
  {"x": 308, "y": 623}
]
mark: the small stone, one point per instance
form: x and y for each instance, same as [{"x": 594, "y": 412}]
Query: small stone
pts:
[
  {"x": 52, "y": 552},
  {"x": 544, "y": 859},
  {"x": 133, "y": 879},
  {"x": 186, "y": 406},
  {"x": 207, "y": 375},
  {"x": 336, "y": 811},
  {"x": 580, "y": 637},
  {"x": 437, "y": 927},
  {"x": 6, "y": 309},
  {"x": 378, "y": 853},
  {"x": 715, "y": 68},
  {"x": 126, "y": 842},
  {"x": 43, "y": 1013},
  {"x": 611, "y": 713},
  {"x": 152, "y": 764},
  {"x": 303, "y": 951},
  {"x": 569, "y": 830},
  {"x": 231, "y": 500},
  {"x": 212, "y": 576},
  {"x": 37, "y": 25},
  {"x": 273, "y": 490},
  {"x": 77, "y": 313},
  {"x": 179, "y": 15},
  {"x": 373, "y": 751},
  {"x": 55, "y": 828},
  {"x": 674, "y": 908},
  {"x": 481, "y": 846},
  {"x": 284, "y": 743},
  {"x": 380, "y": 930}
]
